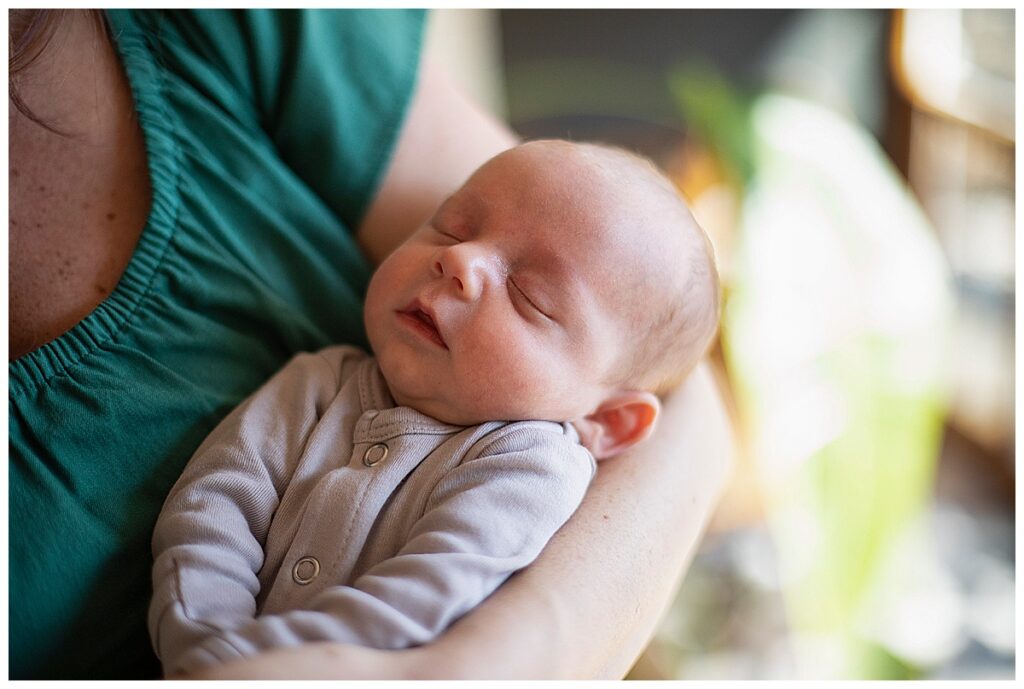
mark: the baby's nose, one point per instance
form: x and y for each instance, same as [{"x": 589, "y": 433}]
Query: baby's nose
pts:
[{"x": 465, "y": 269}]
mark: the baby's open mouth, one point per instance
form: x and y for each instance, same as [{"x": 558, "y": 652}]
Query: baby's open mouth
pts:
[{"x": 423, "y": 323}]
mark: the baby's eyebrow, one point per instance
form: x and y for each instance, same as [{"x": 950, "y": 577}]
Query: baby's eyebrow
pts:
[
  {"x": 554, "y": 266},
  {"x": 461, "y": 209},
  {"x": 554, "y": 273}
]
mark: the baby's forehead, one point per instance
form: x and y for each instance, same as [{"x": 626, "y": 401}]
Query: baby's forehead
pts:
[
  {"x": 604, "y": 206},
  {"x": 614, "y": 164},
  {"x": 627, "y": 276}
]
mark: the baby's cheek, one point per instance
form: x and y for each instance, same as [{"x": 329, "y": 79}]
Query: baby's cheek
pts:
[
  {"x": 534, "y": 378},
  {"x": 500, "y": 371}
]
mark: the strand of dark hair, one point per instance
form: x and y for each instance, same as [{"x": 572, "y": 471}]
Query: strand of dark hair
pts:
[{"x": 30, "y": 33}]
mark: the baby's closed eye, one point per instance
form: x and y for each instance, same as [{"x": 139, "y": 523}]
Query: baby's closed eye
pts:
[
  {"x": 454, "y": 239},
  {"x": 524, "y": 302}
]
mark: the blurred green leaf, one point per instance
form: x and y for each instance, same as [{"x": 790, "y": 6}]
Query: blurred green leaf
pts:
[
  {"x": 834, "y": 336},
  {"x": 717, "y": 113}
]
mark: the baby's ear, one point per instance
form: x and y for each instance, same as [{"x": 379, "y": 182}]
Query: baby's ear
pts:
[{"x": 619, "y": 423}]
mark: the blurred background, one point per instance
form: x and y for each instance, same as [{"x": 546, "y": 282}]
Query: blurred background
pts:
[{"x": 855, "y": 169}]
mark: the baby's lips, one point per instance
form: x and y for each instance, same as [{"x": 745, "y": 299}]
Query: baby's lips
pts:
[{"x": 425, "y": 313}]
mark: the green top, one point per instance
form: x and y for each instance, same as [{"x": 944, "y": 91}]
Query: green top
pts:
[{"x": 267, "y": 133}]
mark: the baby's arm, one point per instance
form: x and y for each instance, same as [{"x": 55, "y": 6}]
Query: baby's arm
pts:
[
  {"x": 209, "y": 536},
  {"x": 487, "y": 518}
]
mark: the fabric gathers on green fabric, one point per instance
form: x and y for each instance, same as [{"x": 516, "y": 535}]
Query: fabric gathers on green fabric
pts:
[{"x": 267, "y": 134}]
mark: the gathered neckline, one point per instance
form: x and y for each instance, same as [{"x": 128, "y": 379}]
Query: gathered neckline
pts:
[{"x": 104, "y": 324}]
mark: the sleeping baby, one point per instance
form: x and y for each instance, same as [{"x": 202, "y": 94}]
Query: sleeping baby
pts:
[{"x": 527, "y": 330}]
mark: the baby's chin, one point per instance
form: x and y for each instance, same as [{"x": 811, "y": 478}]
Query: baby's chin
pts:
[
  {"x": 442, "y": 410},
  {"x": 433, "y": 406},
  {"x": 461, "y": 412},
  {"x": 469, "y": 409}
]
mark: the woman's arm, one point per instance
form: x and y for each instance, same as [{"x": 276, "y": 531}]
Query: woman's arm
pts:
[
  {"x": 591, "y": 602},
  {"x": 445, "y": 138},
  {"x": 588, "y": 606}
]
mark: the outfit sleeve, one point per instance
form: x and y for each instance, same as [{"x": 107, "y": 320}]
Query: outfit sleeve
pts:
[
  {"x": 486, "y": 519},
  {"x": 209, "y": 537}
]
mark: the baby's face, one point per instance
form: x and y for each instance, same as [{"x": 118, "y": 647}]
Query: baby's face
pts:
[{"x": 514, "y": 300}]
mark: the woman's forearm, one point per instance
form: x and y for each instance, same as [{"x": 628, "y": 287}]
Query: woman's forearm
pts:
[
  {"x": 445, "y": 138},
  {"x": 590, "y": 603}
]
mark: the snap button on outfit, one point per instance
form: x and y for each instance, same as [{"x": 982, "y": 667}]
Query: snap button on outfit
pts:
[
  {"x": 305, "y": 570},
  {"x": 375, "y": 454}
]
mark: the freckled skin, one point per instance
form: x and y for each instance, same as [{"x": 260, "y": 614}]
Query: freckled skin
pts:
[
  {"x": 78, "y": 203},
  {"x": 540, "y": 223}
]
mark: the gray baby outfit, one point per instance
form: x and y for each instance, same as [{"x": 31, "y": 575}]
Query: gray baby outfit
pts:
[{"x": 318, "y": 510}]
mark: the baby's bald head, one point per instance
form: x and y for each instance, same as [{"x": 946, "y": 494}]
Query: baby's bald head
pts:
[{"x": 668, "y": 287}]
